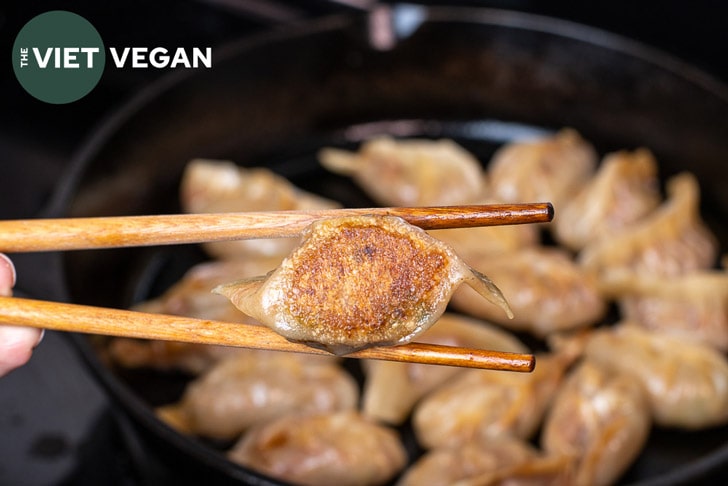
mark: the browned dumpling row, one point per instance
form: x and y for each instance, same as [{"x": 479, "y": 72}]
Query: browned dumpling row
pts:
[{"x": 358, "y": 282}]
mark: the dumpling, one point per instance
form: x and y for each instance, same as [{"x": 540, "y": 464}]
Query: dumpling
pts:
[
  {"x": 624, "y": 189},
  {"x": 257, "y": 387},
  {"x": 391, "y": 389},
  {"x": 486, "y": 403},
  {"x": 215, "y": 186},
  {"x": 686, "y": 383},
  {"x": 551, "y": 169},
  {"x": 693, "y": 307},
  {"x": 600, "y": 419},
  {"x": 357, "y": 282},
  {"x": 672, "y": 240},
  {"x": 338, "y": 449},
  {"x": 411, "y": 172},
  {"x": 492, "y": 462},
  {"x": 547, "y": 291}
]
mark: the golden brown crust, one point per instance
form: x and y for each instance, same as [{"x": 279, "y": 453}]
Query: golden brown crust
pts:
[{"x": 390, "y": 269}]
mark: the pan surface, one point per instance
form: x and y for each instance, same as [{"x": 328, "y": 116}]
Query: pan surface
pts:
[{"x": 481, "y": 77}]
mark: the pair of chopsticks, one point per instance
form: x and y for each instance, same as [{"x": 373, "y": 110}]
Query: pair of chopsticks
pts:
[{"x": 127, "y": 231}]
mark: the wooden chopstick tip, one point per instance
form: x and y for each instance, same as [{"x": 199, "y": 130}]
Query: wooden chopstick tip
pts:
[
  {"x": 550, "y": 211},
  {"x": 531, "y": 365}
]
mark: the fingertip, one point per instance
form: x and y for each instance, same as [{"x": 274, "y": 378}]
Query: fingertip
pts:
[
  {"x": 16, "y": 346},
  {"x": 7, "y": 275}
]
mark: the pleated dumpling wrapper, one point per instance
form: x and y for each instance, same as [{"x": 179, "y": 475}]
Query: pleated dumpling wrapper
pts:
[{"x": 357, "y": 282}]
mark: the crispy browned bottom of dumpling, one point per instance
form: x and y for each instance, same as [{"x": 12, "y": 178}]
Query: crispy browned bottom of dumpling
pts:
[{"x": 357, "y": 282}]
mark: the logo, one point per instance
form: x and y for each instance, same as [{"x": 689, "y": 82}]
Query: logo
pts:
[{"x": 58, "y": 57}]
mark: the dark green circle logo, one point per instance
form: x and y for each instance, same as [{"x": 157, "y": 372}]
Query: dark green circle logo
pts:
[{"x": 58, "y": 57}]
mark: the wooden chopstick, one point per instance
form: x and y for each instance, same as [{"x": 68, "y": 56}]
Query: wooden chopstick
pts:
[
  {"x": 124, "y": 231},
  {"x": 113, "y": 322}
]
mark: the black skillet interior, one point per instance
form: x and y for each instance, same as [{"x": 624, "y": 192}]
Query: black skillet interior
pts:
[{"x": 481, "y": 77}]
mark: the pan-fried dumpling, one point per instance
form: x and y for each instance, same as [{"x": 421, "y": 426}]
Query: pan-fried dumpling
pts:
[
  {"x": 686, "y": 383},
  {"x": 672, "y": 240},
  {"x": 600, "y": 419},
  {"x": 411, "y": 172},
  {"x": 551, "y": 169},
  {"x": 624, "y": 189},
  {"x": 336, "y": 449},
  {"x": 488, "y": 403},
  {"x": 391, "y": 389},
  {"x": 357, "y": 282},
  {"x": 493, "y": 462},
  {"x": 215, "y": 186},
  {"x": 693, "y": 307},
  {"x": 256, "y": 387},
  {"x": 547, "y": 291}
]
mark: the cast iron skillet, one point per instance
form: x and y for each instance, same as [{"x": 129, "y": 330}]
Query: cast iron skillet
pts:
[{"x": 482, "y": 77}]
